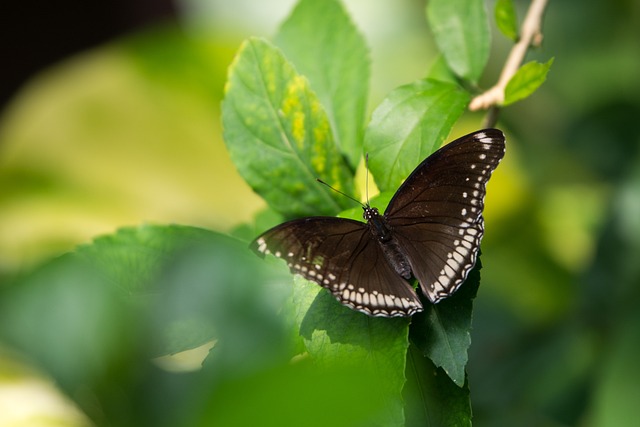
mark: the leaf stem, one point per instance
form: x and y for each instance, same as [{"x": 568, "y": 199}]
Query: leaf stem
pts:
[{"x": 530, "y": 35}]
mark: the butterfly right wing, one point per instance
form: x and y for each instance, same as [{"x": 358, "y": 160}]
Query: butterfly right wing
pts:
[
  {"x": 342, "y": 256},
  {"x": 436, "y": 214}
]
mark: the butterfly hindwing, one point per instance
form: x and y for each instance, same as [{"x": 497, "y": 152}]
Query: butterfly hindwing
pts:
[
  {"x": 441, "y": 257},
  {"x": 342, "y": 256},
  {"x": 436, "y": 214}
]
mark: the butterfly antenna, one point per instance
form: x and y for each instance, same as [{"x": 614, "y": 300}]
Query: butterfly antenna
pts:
[
  {"x": 340, "y": 192},
  {"x": 366, "y": 182}
]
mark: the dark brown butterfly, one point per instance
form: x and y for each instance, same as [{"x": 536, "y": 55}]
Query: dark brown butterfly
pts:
[{"x": 431, "y": 230}]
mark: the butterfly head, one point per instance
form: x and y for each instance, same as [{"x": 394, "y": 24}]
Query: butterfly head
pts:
[
  {"x": 377, "y": 224},
  {"x": 370, "y": 213}
]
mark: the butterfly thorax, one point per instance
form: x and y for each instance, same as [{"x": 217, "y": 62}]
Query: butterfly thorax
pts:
[
  {"x": 382, "y": 232},
  {"x": 377, "y": 224}
]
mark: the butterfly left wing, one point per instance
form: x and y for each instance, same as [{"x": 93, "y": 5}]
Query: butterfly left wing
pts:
[
  {"x": 436, "y": 214},
  {"x": 342, "y": 256}
]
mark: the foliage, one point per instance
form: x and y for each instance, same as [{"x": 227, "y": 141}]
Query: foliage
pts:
[
  {"x": 526, "y": 80},
  {"x": 411, "y": 123},
  {"x": 553, "y": 329},
  {"x": 506, "y": 19},
  {"x": 461, "y": 30}
]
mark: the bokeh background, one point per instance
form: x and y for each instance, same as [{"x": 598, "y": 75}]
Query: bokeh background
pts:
[{"x": 110, "y": 117}]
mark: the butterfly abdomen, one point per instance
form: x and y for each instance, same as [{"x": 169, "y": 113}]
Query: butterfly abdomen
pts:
[{"x": 398, "y": 260}]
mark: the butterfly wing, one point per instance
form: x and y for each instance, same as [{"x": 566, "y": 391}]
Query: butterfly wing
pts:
[
  {"x": 341, "y": 255},
  {"x": 436, "y": 214}
]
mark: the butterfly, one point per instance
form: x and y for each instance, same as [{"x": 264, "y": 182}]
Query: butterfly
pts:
[{"x": 431, "y": 230}]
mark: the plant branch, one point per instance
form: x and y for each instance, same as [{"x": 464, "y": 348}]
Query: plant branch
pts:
[{"x": 530, "y": 35}]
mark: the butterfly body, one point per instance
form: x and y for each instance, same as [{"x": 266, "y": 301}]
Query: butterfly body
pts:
[
  {"x": 388, "y": 244},
  {"x": 431, "y": 230}
]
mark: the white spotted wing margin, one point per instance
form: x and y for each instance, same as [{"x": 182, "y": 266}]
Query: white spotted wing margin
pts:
[
  {"x": 342, "y": 256},
  {"x": 436, "y": 214}
]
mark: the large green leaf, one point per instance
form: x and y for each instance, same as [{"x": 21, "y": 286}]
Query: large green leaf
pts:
[
  {"x": 69, "y": 320},
  {"x": 299, "y": 393},
  {"x": 443, "y": 331},
  {"x": 94, "y": 319},
  {"x": 411, "y": 123},
  {"x": 432, "y": 399},
  {"x": 189, "y": 283},
  {"x": 324, "y": 45},
  {"x": 376, "y": 347},
  {"x": 461, "y": 31},
  {"x": 279, "y": 135}
]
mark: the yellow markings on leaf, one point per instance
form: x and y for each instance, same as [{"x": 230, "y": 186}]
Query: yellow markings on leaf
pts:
[
  {"x": 322, "y": 137},
  {"x": 318, "y": 161},
  {"x": 322, "y": 129},
  {"x": 337, "y": 179},
  {"x": 269, "y": 73},
  {"x": 297, "y": 128},
  {"x": 300, "y": 112},
  {"x": 293, "y": 109}
]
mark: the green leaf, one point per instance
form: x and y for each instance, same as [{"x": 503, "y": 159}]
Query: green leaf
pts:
[
  {"x": 443, "y": 331},
  {"x": 411, "y": 123},
  {"x": 262, "y": 221},
  {"x": 279, "y": 135},
  {"x": 431, "y": 398},
  {"x": 440, "y": 71},
  {"x": 299, "y": 393},
  {"x": 93, "y": 319},
  {"x": 131, "y": 257},
  {"x": 189, "y": 283},
  {"x": 68, "y": 319},
  {"x": 325, "y": 46},
  {"x": 461, "y": 31},
  {"x": 525, "y": 81},
  {"x": 337, "y": 335},
  {"x": 506, "y": 18}
]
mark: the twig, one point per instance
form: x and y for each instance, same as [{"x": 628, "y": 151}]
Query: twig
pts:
[{"x": 530, "y": 35}]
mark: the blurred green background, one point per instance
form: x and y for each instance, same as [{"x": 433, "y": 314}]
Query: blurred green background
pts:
[{"x": 110, "y": 117}]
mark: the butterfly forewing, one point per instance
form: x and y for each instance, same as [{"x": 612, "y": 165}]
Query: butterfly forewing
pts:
[
  {"x": 436, "y": 214},
  {"x": 342, "y": 256}
]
